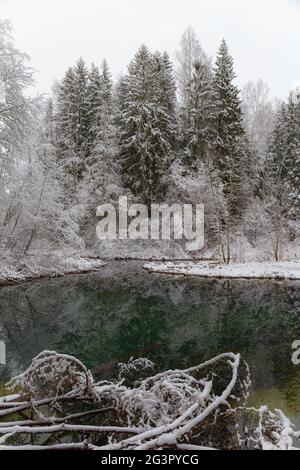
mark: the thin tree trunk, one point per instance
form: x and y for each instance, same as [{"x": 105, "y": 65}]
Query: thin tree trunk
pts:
[
  {"x": 34, "y": 228},
  {"x": 218, "y": 214},
  {"x": 277, "y": 241}
]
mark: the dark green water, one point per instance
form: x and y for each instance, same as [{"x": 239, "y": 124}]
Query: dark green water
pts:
[{"x": 105, "y": 318}]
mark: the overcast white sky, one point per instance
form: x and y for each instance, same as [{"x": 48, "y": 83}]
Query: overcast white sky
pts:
[{"x": 263, "y": 35}]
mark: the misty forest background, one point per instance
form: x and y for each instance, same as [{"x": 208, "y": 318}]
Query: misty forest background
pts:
[{"x": 164, "y": 132}]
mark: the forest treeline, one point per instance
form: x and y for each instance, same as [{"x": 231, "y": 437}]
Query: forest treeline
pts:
[{"x": 163, "y": 132}]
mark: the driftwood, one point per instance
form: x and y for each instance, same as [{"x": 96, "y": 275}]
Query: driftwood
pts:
[{"x": 57, "y": 404}]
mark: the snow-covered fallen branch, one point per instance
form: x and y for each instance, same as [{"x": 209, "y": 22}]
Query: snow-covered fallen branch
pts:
[{"x": 199, "y": 408}]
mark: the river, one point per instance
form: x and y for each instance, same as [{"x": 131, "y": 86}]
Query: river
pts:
[{"x": 107, "y": 317}]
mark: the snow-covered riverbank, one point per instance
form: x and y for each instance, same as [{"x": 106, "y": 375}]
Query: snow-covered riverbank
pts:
[
  {"x": 58, "y": 264},
  {"x": 251, "y": 270},
  {"x": 53, "y": 264}
]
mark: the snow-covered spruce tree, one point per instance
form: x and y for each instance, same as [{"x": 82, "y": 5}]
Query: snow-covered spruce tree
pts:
[
  {"x": 101, "y": 177},
  {"x": 101, "y": 161},
  {"x": 230, "y": 143},
  {"x": 232, "y": 151},
  {"x": 282, "y": 188},
  {"x": 293, "y": 154},
  {"x": 200, "y": 134},
  {"x": 165, "y": 95},
  {"x": 101, "y": 182},
  {"x": 86, "y": 142},
  {"x": 294, "y": 183},
  {"x": 73, "y": 125},
  {"x": 147, "y": 125},
  {"x": 94, "y": 100}
]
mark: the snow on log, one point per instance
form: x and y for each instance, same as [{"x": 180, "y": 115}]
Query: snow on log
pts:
[{"x": 200, "y": 408}]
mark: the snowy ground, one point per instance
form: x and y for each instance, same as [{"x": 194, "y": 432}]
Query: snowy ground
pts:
[
  {"x": 52, "y": 264},
  {"x": 252, "y": 270}
]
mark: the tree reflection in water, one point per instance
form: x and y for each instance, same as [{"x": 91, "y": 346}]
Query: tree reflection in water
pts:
[{"x": 105, "y": 318}]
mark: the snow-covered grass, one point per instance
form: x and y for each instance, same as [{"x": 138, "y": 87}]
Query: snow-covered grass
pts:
[
  {"x": 251, "y": 270},
  {"x": 38, "y": 265}
]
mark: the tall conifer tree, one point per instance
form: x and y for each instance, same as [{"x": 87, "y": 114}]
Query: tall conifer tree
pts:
[
  {"x": 231, "y": 146},
  {"x": 147, "y": 124}
]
